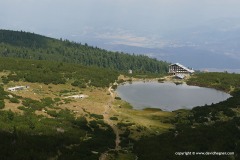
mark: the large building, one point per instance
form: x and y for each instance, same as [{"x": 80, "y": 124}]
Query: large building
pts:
[{"x": 177, "y": 69}]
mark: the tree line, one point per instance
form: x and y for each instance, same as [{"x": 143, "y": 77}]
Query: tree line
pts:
[{"x": 32, "y": 46}]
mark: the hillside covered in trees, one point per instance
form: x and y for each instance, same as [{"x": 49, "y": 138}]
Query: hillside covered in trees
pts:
[
  {"x": 55, "y": 72},
  {"x": 32, "y": 46}
]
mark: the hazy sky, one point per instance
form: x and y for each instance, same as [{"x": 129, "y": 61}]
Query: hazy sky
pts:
[
  {"x": 147, "y": 24},
  {"x": 136, "y": 16}
]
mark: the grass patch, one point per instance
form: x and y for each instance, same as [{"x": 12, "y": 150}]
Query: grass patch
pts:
[
  {"x": 121, "y": 124},
  {"x": 97, "y": 116},
  {"x": 14, "y": 100},
  {"x": 2, "y": 104},
  {"x": 126, "y": 156},
  {"x": 113, "y": 118},
  {"x": 152, "y": 109}
]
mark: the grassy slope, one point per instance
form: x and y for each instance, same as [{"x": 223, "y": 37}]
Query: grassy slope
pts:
[{"x": 30, "y": 135}]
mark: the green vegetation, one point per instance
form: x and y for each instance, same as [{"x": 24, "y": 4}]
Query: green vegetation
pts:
[
  {"x": 55, "y": 72},
  {"x": 2, "y": 104},
  {"x": 31, "y": 136},
  {"x": 40, "y": 127},
  {"x": 220, "y": 81},
  {"x": 146, "y": 76},
  {"x": 80, "y": 84},
  {"x": 121, "y": 124},
  {"x": 2, "y": 93},
  {"x": 113, "y": 118},
  {"x": 124, "y": 156},
  {"x": 97, "y": 116},
  {"x": 35, "y": 137},
  {"x": 152, "y": 109},
  {"x": 14, "y": 100},
  {"x": 2, "y": 96},
  {"x": 203, "y": 129},
  {"x": 65, "y": 134},
  {"x": 33, "y": 46}
]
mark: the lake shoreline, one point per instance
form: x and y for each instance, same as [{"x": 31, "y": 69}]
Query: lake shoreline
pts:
[{"x": 164, "y": 106}]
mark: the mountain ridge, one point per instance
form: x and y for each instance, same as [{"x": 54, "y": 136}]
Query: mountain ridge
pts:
[{"x": 33, "y": 46}]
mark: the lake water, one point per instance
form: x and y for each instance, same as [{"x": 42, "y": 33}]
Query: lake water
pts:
[{"x": 168, "y": 96}]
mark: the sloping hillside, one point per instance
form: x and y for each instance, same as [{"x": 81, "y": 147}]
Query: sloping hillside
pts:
[
  {"x": 55, "y": 72},
  {"x": 32, "y": 46}
]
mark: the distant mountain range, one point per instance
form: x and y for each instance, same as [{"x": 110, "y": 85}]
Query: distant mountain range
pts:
[
  {"x": 198, "y": 58},
  {"x": 214, "y": 46}
]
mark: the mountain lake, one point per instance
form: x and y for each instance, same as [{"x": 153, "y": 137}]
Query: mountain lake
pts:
[{"x": 168, "y": 96}]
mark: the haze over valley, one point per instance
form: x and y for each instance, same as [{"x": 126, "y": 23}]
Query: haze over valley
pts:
[
  {"x": 212, "y": 46},
  {"x": 203, "y": 35}
]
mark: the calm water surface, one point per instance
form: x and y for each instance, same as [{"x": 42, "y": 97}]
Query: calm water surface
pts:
[{"x": 168, "y": 96}]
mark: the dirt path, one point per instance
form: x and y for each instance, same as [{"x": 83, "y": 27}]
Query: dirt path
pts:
[
  {"x": 107, "y": 110},
  {"x": 113, "y": 126}
]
